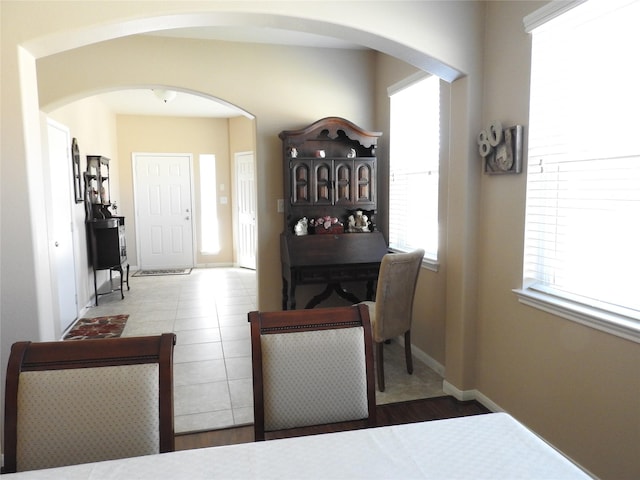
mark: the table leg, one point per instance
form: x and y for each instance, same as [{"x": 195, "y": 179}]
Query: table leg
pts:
[
  {"x": 345, "y": 294},
  {"x": 326, "y": 293},
  {"x": 121, "y": 281},
  {"x": 285, "y": 291},
  {"x": 292, "y": 295},
  {"x": 95, "y": 285},
  {"x": 370, "y": 290}
]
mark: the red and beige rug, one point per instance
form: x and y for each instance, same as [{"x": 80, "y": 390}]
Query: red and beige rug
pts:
[{"x": 99, "y": 327}]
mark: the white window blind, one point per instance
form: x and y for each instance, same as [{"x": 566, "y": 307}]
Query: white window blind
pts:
[
  {"x": 414, "y": 167},
  {"x": 582, "y": 238}
]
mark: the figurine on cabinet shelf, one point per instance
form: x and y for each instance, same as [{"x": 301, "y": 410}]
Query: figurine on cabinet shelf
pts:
[
  {"x": 358, "y": 223},
  {"x": 352, "y": 153},
  {"x": 302, "y": 227}
]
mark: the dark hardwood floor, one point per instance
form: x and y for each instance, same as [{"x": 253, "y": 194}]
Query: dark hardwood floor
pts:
[{"x": 391, "y": 414}]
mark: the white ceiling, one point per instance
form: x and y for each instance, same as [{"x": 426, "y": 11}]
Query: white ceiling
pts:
[{"x": 145, "y": 102}]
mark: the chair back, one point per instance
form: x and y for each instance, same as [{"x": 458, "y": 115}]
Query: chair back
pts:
[
  {"x": 395, "y": 293},
  {"x": 312, "y": 367},
  {"x": 79, "y": 401}
]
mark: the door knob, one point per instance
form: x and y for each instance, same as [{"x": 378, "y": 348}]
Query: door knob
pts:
[{"x": 57, "y": 244}]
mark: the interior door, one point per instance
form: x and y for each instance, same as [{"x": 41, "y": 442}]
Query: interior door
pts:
[
  {"x": 62, "y": 248},
  {"x": 246, "y": 210},
  {"x": 163, "y": 204}
]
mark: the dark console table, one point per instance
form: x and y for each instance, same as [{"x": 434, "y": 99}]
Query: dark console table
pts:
[
  {"x": 331, "y": 260},
  {"x": 109, "y": 252}
]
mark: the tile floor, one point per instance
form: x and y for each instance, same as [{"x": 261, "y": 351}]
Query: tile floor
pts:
[{"x": 207, "y": 310}]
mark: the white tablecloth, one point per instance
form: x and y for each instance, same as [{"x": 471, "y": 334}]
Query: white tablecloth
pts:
[{"x": 492, "y": 446}]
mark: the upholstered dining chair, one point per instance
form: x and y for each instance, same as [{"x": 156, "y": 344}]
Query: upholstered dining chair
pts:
[
  {"x": 312, "y": 371},
  {"x": 72, "y": 402},
  {"x": 391, "y": 313}
]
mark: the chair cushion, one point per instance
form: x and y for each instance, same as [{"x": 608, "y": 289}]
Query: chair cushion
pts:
[
  {"x": 89, "y": 414},
  {"x": 314, "y": 377}
]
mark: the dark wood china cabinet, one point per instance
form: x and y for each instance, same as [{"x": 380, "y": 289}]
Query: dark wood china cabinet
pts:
[{"x": 330, "y": 206}]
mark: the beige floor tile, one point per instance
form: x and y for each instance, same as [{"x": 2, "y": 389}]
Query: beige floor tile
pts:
[
  {"x": 200, "y": 335},
  {"x": 235, "y": 332},
  {"x": 235, "y": 309},
  {"x": 236, "y": 348},
  {"x": 241, "y": 392},
  {"x": 233, "y": 320},
  {"x": 195, "y": 323},
  {"x": 197, "y": 352},
  {"x": 239, "y": 367},
  {"x": 194, "y": 373},
  {"x": 243, "y": 415},
  {"x": 206, "y": 421},
  {"x": 202, "y": 397}
]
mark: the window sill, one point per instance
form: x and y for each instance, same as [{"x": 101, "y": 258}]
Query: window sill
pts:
[
  {"x": 428, "y": 263},
  {"x": 605, "y": 321}
]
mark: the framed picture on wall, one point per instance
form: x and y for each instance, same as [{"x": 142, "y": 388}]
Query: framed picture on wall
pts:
[
  {"x": 75, "y": 168},
  {"x": 501, "y": 149}
]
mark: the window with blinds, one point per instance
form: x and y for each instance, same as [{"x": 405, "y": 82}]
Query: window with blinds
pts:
[
  {"x": 582, "y": 238},
  {"x": 414, "y": 165}
]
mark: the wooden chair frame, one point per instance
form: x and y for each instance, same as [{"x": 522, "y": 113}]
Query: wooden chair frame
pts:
[
  {"x": 41, "y": 356},
  {"x": 289, "y": 321}
]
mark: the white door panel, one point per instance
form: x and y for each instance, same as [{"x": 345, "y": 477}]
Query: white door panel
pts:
[
  {"x": 163, "y": 210},
  {"x": 246, "y": 209},
  {"x": 62, "y": 221}
]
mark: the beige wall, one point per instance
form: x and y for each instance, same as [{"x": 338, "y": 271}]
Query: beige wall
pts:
[
  {"x": 195, "y": 136},
  {"x": 428, "y": 331},
  {"x": 575, "y": 386}
]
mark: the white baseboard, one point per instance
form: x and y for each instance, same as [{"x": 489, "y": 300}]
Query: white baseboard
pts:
[
  {"x": 448, "y": 388},
  {"x": 215, "y": 265},
  {"x": 466, "y": 395}
]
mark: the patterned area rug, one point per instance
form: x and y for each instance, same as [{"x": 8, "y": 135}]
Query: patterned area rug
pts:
[
  {"x": 157, "y": 273},
  {"x": 99, "y": 327}
]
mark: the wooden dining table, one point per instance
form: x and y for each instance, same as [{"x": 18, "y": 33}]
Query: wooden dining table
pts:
[{"x": 490, "y": 446}]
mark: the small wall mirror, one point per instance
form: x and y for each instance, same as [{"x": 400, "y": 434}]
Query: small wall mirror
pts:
[{"x": 75, "y": 165}]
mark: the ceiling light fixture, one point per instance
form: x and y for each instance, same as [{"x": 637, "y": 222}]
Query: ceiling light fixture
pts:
[{"x": 165, "y": 95}]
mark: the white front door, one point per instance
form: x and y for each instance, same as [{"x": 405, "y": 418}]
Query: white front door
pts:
[
  {"x": 62, "y": 248},
  {"x": 164, "y": 220},
  {"x": 246, "y": 209}
]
